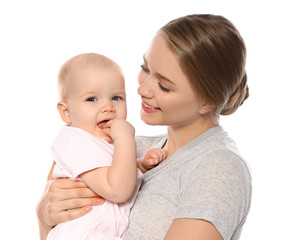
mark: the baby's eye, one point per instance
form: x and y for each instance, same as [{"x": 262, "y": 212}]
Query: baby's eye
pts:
[
  {"x": 116, "y": 98},
  {"x": 92, "y": 99}
]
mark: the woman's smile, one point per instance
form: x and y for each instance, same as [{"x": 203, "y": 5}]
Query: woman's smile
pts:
[{"x": 148, "y": 108}]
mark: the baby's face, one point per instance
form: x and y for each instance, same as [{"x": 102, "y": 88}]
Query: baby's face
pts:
[{"x": 94, "y": 97}]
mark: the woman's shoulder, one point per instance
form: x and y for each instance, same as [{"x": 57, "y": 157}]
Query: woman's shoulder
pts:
[
  {"x": 220, "y": 147},
  {"x": 214, "y": 149},
  {"x": 144, "y": 143},
  {"x": 217, "y": 139}
]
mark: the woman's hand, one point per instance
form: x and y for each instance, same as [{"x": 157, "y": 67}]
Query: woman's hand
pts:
[{"x": 64, "y": 200}]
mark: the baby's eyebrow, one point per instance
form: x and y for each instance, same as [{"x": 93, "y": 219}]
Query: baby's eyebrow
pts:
[
  {"x": 88, "y": 93},
  {"x": 119, "y": 93}
]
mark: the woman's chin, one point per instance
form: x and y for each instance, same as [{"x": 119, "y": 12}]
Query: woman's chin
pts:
[{"x": 149, "y": 121}]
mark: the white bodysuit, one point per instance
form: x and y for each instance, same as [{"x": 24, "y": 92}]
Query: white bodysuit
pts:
[{"x": 76, "y": 151}]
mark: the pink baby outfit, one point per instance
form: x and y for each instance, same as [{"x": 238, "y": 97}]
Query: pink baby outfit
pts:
[{"x": 76, "y": 151}]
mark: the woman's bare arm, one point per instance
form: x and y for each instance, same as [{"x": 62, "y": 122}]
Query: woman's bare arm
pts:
[{"x": 194, "y": 229}]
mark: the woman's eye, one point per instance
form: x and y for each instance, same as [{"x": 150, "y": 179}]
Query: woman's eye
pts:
[
  {"x": 163, "y": 88},
  {"x": 116, "y": 98},
  {"x": 144, "y": 68},
  {"x": 92, "y": 99}
]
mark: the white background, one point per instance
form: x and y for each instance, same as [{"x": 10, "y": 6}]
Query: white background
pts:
[{"x": 38, "y": 36}]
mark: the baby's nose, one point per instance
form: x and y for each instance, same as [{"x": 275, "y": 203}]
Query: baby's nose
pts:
[{"x": 108, "y": 108}]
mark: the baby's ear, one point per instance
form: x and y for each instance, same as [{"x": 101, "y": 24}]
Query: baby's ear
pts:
[{"x": 64, "y": 112}]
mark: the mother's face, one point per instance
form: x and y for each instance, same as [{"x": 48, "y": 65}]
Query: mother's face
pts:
[{"x": 167, "y": 96}]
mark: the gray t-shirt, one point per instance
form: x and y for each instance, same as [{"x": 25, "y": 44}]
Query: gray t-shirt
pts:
[{"x": 206, "y": 179}]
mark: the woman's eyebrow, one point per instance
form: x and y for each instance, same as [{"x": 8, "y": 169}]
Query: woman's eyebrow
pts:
[{"x": 158, "y": 75}]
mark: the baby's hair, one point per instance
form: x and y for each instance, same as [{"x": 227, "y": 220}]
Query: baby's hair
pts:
[{"x": 81, "y": 61}]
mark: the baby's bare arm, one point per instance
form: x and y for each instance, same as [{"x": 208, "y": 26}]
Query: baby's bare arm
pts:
[{"x": 117, "y": 182}]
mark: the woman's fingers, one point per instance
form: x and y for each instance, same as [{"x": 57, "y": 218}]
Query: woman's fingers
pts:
[
  {"x": 66, "y": 183},
  {"x": 68, "y": 215},
  {"x": 69, "y": 194},
  {"x": 64, "y": 200},
  {"x": 66, "y": 189},
  {"x": 75, "y": 203}
]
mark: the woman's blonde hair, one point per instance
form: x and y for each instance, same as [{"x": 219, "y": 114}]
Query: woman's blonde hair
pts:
[{"x": 212, "y": 54}]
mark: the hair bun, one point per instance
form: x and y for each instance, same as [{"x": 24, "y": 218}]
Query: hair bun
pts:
[{"x": 237, "y": 98}]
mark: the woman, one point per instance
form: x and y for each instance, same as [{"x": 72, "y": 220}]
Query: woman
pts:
[{"x": 193, "y": 72}]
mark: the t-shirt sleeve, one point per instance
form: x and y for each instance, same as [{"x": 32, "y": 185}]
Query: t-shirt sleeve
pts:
[
  {"x": 81, "y": 154},
  {"x": 218, "y": 192}
]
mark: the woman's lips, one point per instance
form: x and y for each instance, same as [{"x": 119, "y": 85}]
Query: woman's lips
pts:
[{"x": 148, "y": 108}]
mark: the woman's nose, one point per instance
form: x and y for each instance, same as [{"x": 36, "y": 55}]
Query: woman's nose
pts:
[
  {"x": 146, "y": 87},
  {"x": 140, "y": 79}
]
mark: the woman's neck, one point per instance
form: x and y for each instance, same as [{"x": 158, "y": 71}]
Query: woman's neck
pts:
[{"x": 180, "y": 135}]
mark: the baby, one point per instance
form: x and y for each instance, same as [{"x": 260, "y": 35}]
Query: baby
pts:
[{"x": 97, "y": 146}]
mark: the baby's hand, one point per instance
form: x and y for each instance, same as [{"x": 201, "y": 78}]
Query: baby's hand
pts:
[
  {"x": 119, "y": 129},
  {"x": 151, "y": 159}
]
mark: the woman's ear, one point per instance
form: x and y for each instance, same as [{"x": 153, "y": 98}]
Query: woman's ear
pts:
[
  {"x": 206, "y": 107},
  {"x": 64, "y": 112}
]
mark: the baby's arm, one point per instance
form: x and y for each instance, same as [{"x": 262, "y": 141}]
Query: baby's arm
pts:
[
  {"x": 151, "y": 159},
  {"x": 117, "y": 182}
]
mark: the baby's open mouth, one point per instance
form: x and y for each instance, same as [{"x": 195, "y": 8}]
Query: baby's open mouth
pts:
[{"x": 102, "y": 124}]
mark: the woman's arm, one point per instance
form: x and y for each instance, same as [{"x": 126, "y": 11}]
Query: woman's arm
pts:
[
  {"x": 194, "y": 229},
  {"x": 63, "y": 200},
  {"x": 212, "y": 189}
]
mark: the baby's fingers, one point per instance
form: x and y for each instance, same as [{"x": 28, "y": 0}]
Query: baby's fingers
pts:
[
  {"x": 163, "y": 154},
  {"x": 159, "y": 155},
  {"x": 150, "y": 163}
]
